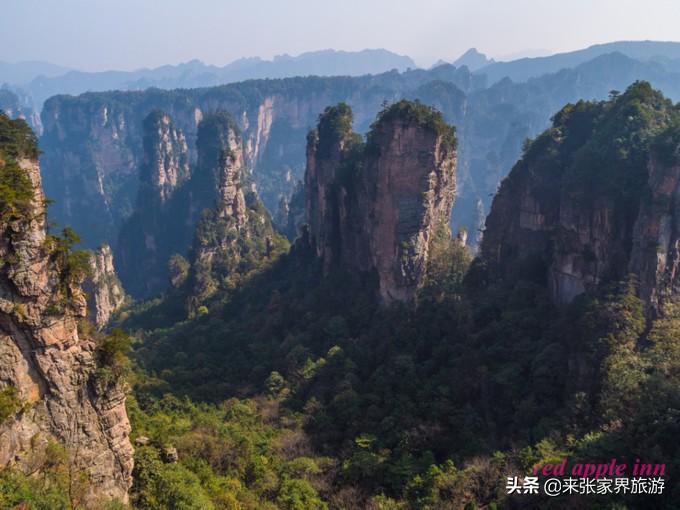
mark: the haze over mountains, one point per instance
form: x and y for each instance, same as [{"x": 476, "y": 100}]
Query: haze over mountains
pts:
[
  {"x": 25, "y": 86},
  {"x": 666, "y": 54},
  {"x": 38, "y": 81},
  {"x": 42, "y": 80}
]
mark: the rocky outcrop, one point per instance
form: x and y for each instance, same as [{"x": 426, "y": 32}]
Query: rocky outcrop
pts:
[
  {"x": 593, "y": 199},
  {"x": 291, "y": 214},
  {"x": 231, "y": 202},
  {"x": 376, "y": 207},
  {"x": 655, "y": 254},
  {"x": 93, "y": 143},
  {"x": 220, "y": 170},
  {"x": 17, "y": 105},
  {"x": 45, "y": 358},
  {"x": 235, "y": 234},
  {"x": 105, "y": 294}
]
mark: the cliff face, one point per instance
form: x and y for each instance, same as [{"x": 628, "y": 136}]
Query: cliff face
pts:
[
  {"x": 94, "y": 185},
  {"x": 17, "y": 105},
  {"x": 42, "y": 354},
  {"x": 105, "y": 294},
  {"x": 144, "y": 243},
  {"x": 231, "y": 202},
  {"x": 593, "y": 199},
  {"x": 377, "y": 207},
  {"x": 291, "y": 214},
  {"x": 655, "y": 255},
  {"x": 166, "y": 158},
  {"x": 93, "y": 149},
  {"x": 220, "y": 170}
]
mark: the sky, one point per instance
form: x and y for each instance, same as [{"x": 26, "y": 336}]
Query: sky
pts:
[{"x": 97, "y": 35}]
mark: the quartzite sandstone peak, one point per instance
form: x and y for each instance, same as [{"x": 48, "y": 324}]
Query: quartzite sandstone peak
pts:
[
  {"x": 376, "y": 207},
  {"x": 594, "y": 199},
  {"x": 93, "y": 143},
  {"x": 42, "y": 354},
  {"x": 147, "y": 237},
  {"x": 235, "y": 232}
]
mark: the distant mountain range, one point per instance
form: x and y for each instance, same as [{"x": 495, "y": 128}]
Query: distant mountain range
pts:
[
  {"x": 34, "y": 82},
  {"x": 41, "y": 80},
  {"x": 473, "y": 59},
  {"x": 665, "y": 53},
  {"x": 23, "y": 72}
]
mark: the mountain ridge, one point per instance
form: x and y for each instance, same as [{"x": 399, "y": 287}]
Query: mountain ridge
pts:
[
  {"x": 195, "y": 73},
  {"x": 529, "y": 67}
]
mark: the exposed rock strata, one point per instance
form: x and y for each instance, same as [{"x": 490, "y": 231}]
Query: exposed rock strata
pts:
[
  {"x": 94, "y": 150},
  {"x": 236, "y": 232},
  {"x": 173, "y": 195}
]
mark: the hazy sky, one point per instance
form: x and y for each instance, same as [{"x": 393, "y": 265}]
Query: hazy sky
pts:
[{"x": 127, "y": 34}]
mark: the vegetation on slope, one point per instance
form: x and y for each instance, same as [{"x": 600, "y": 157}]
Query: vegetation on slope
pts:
[
  {"x": 422, "y": 115},
  {"x": 296, "y": 391},
  {"x": 431, "y": 404},
  {"x": 17, "y": 141}
]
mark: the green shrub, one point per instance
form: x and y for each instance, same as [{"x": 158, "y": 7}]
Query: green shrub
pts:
[
  {"x": 16, "y": 192},
  {"x": 17, "y": 139},
  {"x": 10, "y": 403}
]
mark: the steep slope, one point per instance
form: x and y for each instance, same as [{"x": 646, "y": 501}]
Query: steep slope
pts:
[
  {"x": 593, "y": 199},
  {"x": 235, "y": 236},
  {"x": 377, "y": 207},
  {"x": 431, "y": 402},
  {"x": 43, "y": 357},
  {"x": 16, "y": 105},
  {"x": 291, "y": 215},
  {"x": 93, "y": 144}
]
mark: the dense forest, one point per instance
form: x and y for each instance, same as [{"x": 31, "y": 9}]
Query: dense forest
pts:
[{"x": 289, "y": 385}]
